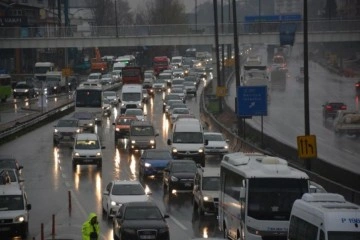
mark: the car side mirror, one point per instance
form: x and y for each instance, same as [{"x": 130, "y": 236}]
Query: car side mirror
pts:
[
  {"x": 113, "y": 124},
  {"x": 28, "y": 207},
  {"x": 103, "y": 147},
  {"x": 227, "y": 140},
  {"x": 156, "y": 134},
  {"x": 206, "y": 142},
  {"x": 21, "y": 167},
  {"x": 168, "y": 142},
  {"x": 166, "y": 216}
]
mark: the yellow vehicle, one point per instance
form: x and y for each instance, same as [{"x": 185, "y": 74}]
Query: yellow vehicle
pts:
[{"x": 5, "y": 87}]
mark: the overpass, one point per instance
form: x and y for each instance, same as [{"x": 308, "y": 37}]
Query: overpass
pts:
[{"x": 165, "y": 35}]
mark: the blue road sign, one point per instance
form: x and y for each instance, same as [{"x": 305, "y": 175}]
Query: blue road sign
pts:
[
  {"x": 251, "y": 101},
  {"x": 272, "y": 18}
]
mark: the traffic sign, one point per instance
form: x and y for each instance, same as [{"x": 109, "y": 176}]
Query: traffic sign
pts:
[
  {"x": 67, "y": 72},
  {"x": 221, "y": 91},
  {"x": 307, "y": 146},
  {"x": 251, "y": 101}
]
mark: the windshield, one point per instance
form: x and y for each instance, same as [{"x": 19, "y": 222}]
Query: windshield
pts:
[
  {"x": 184, "y": 167},
  {"x": 87, "y": 144},
  {"x": 136, "y": 213},
  {"x": 109, "y": 94},
  {"x": 164, "y": 76},
  {"x": 136, "y": 112},
  {"x": 22, "y": 86},
  {"x": 106, "y": 76},
  {"x": 344, "y": 235},
  {"x": 211, "y": 183},
  {"x": 94, "y": 77},
  {"x": 127, "y": 189},
  {"x": 181, "y": 111},
  {"x": 8, "y": 163},
  {"x": 148, "y": 75},
  {"x": 42, "y": 69},
  {"x": 158, "y": 155},
  {"x": 272, "y": 198},
  {"x": 88, "y": 98},
  {"x": 67, "y": 123},
  {"x": 162, "y": 81},
  {"x": 8, "y": 173},
  {"x": 142, "y": 131},
  {"x": 83, "y": 115},
  {"x": 165, "y": 63},
  {"x": 125, "y": 121},
  {"x": 213, "y": 137},
  {"x": 188, "y": 137},
  {"x": 11, "y": 202},
  {"x": 131, "y": 97},
  {"x": 177, "y": 90}
]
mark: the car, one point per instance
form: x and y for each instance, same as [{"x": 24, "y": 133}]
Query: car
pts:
[
  {"x": 122, "y": 126},
  {"x": 106, "y": 105},
  {"x": 137, "y": 112},
  {"x": 24, "y": 89},
  {"x": 65, "y": 131},
  {"x": 173, "y": 105},
  {"x": 140, "y": 220},
  {"x": 116, "y": 75},
  {"x": 190, "y": 88},
  {"x": 217, "y": 145},
  {"x": 167, "y": 76},
  {"x": 10, "y": 162},
  {"x": 179, "y": 176},
  {"x": 142, "y": 135},
  {"x": 86, "y": 121},
  {"x": 159, "y": 85},
  {"x": 94, "y": 78},
  {"x": 179, "y": 91},
  {"x": 178, "y": 73},
  {"x": 112, "y": 96},
  {"x": 330, "y": 109},
  {"x": 118, "y": 192},
  {"x": 87, "y": 150},
  {"x": 169, "y": 97},
  {"x": 146, "y": 96},
  {"x": 107, "y": 79},
  {"x": 193, "y": 80},
  {"x": 152, "y": 162},
  {"x": 206, "y": 190},
  {"x": 177, "y": 111}
]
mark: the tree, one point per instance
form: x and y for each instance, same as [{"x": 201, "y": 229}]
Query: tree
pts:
[
  {"x": 161, "y": 12},
  {"x": 104, "y": 12}
]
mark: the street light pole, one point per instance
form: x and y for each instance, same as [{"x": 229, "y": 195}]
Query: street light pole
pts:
[
  {"x": 217, "y": 49},
  {"x": 196, "y": 16},
  {"x": 116, "y": 21}
]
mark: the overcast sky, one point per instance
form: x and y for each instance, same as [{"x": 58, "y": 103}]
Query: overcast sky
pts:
[{"x": 189, "y": 4}]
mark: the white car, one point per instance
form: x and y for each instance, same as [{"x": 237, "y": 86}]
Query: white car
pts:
[
  {"x": 112, "y": 96},
  {"x": 87, "y": 150},
  {"x": 190, "y": 88},
  {"x": 118, "y": 192},
  {"x": 140, "y": 116},
  {"x": 217, "y": 145},
  {"x": 177, "y": 111},
  {"x": 178, "y": 91},
  {"x": 159, "y": 85},
  {"x": 94, "y": 77},
  {"x": 106, "y": 79}
]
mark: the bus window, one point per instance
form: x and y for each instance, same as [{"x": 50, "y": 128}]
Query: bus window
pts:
[{"x": 5, "y": 87}]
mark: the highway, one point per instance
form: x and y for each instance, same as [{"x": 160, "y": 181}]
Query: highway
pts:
[
  {"x": 285, "y": 119},
  {"x": 49, "y": 179}
]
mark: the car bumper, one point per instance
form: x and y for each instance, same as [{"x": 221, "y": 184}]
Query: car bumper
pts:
[
  {"x": 122, "y": 133},
  {"x": 137, "y": 146},
  {"x": 182, "y": 185},
  {"x": 86, "y": 161},
  {"x": 216, "y": 151},
  {"x": 13, "y": 229}
]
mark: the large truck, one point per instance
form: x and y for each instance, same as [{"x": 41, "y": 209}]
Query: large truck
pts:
[
  {"x": 161, "y": 63},
  {"x": 97, "y": 64},
  {"x": 132, "y": 75},
  {"x": 41, "y": 68},
  {"x": 347, "y": 122},
  {"x": 55, "y": 82}
]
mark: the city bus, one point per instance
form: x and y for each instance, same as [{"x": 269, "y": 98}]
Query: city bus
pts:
[
  {"x": 89, "y": 98},
  {"x": 5, "y": 87},
  {"x": 256, "y": 196}
]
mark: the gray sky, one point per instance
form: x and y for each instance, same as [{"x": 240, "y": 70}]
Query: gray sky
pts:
[{"x": 189, "y": 4}]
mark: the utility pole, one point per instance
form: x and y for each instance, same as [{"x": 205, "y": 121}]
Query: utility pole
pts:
[
  {"x": 196, "y": 16},
  {"x": 306, "y": 80},
  {"x": 116, "y": 21}
]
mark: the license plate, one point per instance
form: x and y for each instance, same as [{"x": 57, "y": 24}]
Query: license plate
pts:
[
  {"x": 66, "y": 138},
  {"x": 188, "y": 184},
  {"x": 87, "y": 160},
  {"x": 147, "y": 236}
]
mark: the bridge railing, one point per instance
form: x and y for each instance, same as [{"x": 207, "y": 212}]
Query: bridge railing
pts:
[{"x": 174, "y": 29}]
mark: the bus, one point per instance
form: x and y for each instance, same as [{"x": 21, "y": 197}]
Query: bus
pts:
[
  {"x": 256, "y": 196},
  {"x": 89, "y": 98},
  {"x": 5, "y": 87}
]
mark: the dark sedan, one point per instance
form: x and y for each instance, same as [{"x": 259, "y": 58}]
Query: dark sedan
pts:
[
  {"x": 140, "y": 220},
  {"x": 153, "y": 162},
  {"x": 179, "y": 176}
]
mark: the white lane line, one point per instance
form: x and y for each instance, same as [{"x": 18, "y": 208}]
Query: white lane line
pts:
[{"x": 178, "y": 222}]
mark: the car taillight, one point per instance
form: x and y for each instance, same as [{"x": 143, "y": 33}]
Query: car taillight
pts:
[
  {"x": 343, "y": 107},
  {"x": 357, "y": 85},
  {"x": 328, "y": 107}
]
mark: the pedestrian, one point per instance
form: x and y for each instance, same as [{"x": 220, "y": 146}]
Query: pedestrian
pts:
[{"x": 90, "y": 228}]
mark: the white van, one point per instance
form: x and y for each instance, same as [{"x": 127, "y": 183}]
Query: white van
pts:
[
  {"x": 87, "y": 150},
  {"x": 14, "y": 214},
  {"x": 324, "y": 216},
  {"x": 187, "y": 141},
  {"x": 131, "y": 97}
]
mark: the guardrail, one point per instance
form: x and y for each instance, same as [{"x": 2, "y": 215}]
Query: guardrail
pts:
[{"x": 321, "y": 25}]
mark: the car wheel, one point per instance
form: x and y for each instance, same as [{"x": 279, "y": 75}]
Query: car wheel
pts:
[{"x": 99, "y": 165}]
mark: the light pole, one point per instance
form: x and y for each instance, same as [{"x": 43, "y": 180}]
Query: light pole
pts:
[
  {"x": 196, "y": 16},
  {"x": 116, "y": 21}
]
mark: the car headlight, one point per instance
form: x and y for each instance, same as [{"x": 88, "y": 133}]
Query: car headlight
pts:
[
  {"x": 78, "y": 130},
  {"x": 98, "y": 154},
  {"x": 117, "y": 129},
  {"x": 174, "y": 179},
  {"x": 15, "y": 90},
  {"x": 76, "y": 154},
  {"x": 201, "y": 150},
  {"x": 55, "y": 87},
  {"x": 122, "y": 104},
  {"x": 26, "y": 90},
  {"x": 226, "y": 147},
  {"x": 113, "y": 203},
  {"x": 163, "y": 230},
  {"x": 90, "y": 124},
  {"x": 55, "y": 130},
  {"x": 20, "y": 218},
  {"x": 174, "y": 150},
  {"x": 152, "y": 141},
  {"x": 133, "y": 141},
  {"x": 206, "y": 198},
  {"x": 147, "y": 165},
  {"x": 139, "y": 104}
]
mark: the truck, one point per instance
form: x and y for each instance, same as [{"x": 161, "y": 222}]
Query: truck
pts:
[
  {"x": 160, "y": 63},
  {"x": 132, "y": 75},
  {"x": 97, "y": 64},
  {"x": 255, "y": 76},
  {"x": 55, "y": 82},
  {"x": 41, "y": 68},
  {"x": 347, "y": 122}
]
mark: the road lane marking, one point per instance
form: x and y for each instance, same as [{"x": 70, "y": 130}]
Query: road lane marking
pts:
[{"x": 178, "y": 222}]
